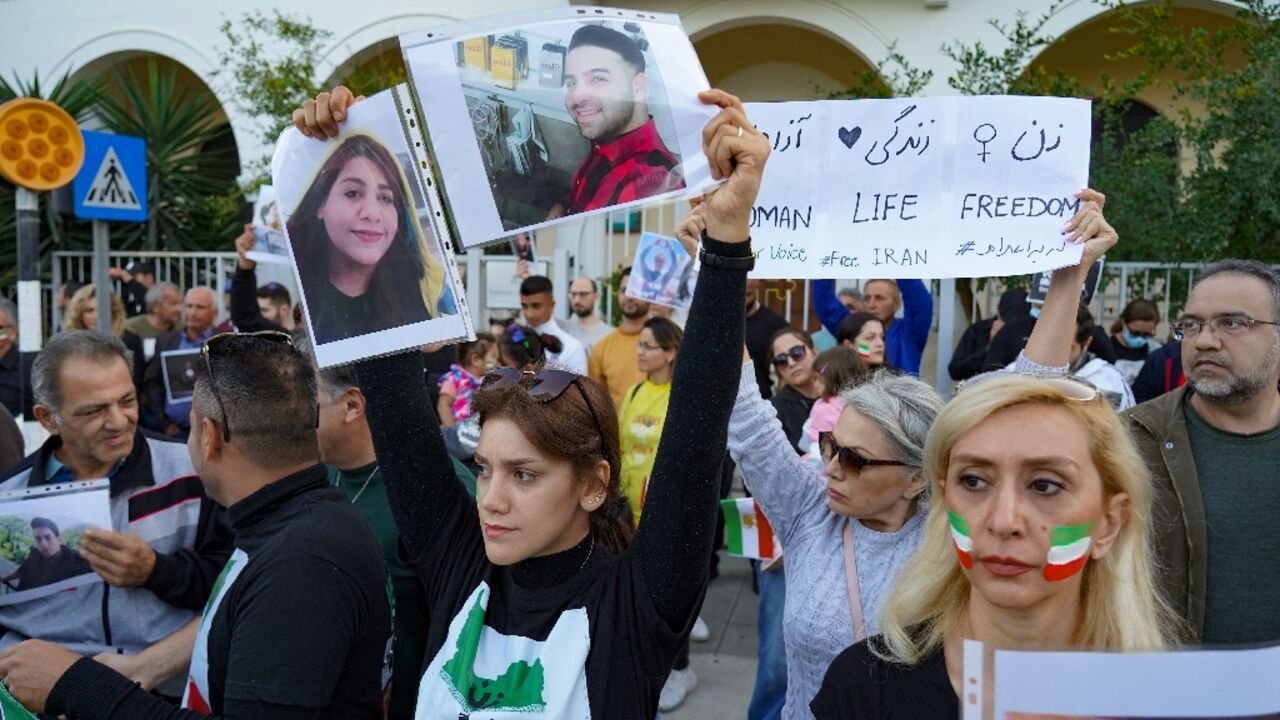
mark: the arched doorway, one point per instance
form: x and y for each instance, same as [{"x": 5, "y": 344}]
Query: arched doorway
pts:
[{"x": 776, "y": 61}]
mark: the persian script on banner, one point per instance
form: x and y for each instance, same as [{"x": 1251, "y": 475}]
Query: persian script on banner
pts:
[{"x": 919, "y": 187}]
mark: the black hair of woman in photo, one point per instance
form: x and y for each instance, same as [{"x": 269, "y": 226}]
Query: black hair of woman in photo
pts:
[
  {"x": 538, "y": 603},
  {"x": 359, "y": 247}
]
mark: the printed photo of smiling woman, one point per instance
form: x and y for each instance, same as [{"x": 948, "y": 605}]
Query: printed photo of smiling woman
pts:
[{"x": 359, "y": 247}]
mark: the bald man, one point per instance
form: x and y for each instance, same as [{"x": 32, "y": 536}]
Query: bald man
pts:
[{"x": 199, "y": 310}]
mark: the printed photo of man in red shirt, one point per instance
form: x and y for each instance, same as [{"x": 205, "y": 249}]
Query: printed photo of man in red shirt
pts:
[{"x": 606, "y": 93}]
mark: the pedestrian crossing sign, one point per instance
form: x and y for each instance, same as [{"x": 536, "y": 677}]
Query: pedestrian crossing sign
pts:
[{"x": 112, "y": 183}]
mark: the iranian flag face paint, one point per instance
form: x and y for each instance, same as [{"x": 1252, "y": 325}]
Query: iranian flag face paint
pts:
[
  {"x": 1068, "y": 552},
  {"x": 864, "y": 351},
  {"x": 960, "y": 536}
]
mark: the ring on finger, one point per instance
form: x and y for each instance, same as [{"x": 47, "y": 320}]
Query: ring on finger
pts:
[{"x": 739, "y": 131}]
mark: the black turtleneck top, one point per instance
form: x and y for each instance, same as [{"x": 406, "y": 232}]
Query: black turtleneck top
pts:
[
  {"x": 301, "y": 633},
  {"x": 583, "y": 632}
]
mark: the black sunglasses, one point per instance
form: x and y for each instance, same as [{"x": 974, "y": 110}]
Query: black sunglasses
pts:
[
  {"x": 545, "y": 386},
  {"x": 851, "y": 460},
  {"x": 796, "y": 353},
  {"x": 206, "y": 350}
]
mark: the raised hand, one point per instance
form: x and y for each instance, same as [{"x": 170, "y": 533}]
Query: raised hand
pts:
[
  {"x": 1088, "y": 226},
  {"x": 736, "y": 152},
  {"x": 319, "y": 118}
]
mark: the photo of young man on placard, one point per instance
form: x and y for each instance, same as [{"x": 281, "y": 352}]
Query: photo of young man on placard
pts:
[
  {"x": 570, "y": 118},
  {"x": 40, "y": 540}
]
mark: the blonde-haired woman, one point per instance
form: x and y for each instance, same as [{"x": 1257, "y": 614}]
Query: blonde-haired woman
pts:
[
  {"x": 82, "y": 314},
  {"x": 1037, "y": 538}
]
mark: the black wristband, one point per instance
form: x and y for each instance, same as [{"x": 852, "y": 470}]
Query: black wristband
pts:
[{"x": 747, "y": 262}]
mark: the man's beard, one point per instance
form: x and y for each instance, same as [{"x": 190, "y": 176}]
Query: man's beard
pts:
[
  {"x": 1237, "y": 388},
  {"x": 616, "y": 115},
  {"x": 583, "y": 312},
  {"x": 638, "y": 310}
]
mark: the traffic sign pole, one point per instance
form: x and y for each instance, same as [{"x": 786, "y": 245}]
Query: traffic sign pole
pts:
[
  {"x": 30, "y": 325},
  {"x": 101, "y": 244}
]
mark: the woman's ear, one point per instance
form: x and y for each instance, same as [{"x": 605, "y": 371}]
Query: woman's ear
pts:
[
  {"x": 1108, "y": 529},
  {"x": 916, "y": 485},
  {"x": 595, "y": 492}
]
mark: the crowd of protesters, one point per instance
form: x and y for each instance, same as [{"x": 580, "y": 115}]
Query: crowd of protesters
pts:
[{"x": 528, "y": 521}]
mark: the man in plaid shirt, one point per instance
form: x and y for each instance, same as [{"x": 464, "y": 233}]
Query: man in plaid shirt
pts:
[{"x": 606, "y": 92}]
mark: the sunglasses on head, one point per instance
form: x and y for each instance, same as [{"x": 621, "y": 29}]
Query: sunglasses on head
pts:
[
  {"x": 224, "y": 339},
  {"x": 796, "y": 353},
  {"x": 1073, "y": 387},
  {"x": 851, "y": 460},
  {"x": 544, "y": 386}
]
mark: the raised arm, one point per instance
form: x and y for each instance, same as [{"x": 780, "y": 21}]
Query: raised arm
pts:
[
  {"x": 917, "y": 310},
  {"x": 674, "y": 541},
  {"x": 1050, "y": 341},
  {"x": 776, "y": 476},
  {"x": 828, "y": 307},
  {"x": 245, "y": 314},
  {"x": 427, "y": 501}
]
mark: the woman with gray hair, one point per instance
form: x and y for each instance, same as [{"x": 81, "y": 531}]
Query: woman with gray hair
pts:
[{"x": 846, "y": 530}]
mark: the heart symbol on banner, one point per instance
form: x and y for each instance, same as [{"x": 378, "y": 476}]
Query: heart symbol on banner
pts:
[{"x": 850, "y": 137}]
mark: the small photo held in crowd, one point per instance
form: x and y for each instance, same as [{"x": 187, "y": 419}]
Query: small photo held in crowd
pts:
[
  {"x": 366, "y": 237},
  {"x": 522, "y": 246},
  {"x": 269, "y": 244},
  {"x": 663, "y": 272},
  {"x": 179, "y": 368},
  {"x": 40, "y": 538},
  {"x": 548, "y": 115}
]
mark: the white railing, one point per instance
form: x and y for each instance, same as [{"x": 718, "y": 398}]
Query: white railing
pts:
[{"x": 602, "y": 244}]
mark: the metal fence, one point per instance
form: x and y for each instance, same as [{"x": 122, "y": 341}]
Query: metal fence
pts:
[{"x": 618, "y": 233}]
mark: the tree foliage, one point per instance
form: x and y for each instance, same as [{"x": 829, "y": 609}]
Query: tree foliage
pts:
[
  {"x": 270, "y": 60},
  {"x": 191, "y": 206}
]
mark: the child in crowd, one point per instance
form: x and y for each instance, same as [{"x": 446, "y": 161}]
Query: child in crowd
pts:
[
  {"x": 457, "y": 386},
  {"x": 838, "y": 368}
]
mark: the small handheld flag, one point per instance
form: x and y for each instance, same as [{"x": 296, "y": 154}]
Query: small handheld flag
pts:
[{"x": 747, "y": 532}]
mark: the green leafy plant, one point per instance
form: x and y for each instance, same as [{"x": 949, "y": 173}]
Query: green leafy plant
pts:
[{"x": 186, "y": 172}]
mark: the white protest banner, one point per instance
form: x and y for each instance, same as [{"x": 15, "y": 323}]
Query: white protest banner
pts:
[
  {"x": 919, "y": 187},
  {"x": 1183, "y": 685}
]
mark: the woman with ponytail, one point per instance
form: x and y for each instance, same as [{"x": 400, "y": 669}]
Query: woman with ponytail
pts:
[{"x": 541, "y": 604}]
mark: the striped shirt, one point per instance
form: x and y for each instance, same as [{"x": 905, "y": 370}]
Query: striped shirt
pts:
[{"x": 629, "y": 167}]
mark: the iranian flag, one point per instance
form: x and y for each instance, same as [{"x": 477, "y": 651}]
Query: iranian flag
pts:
[
  {"x": 11, "y": 709},
  {"x": 747, "y": 532},
  {"x": 960, "y": 536},
  {"x": 1069, "y": 550}
]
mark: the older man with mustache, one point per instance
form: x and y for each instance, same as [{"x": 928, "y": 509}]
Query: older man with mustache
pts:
[{"x": 1212, "y": 446}]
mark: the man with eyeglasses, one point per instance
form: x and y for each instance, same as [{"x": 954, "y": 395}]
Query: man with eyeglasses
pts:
[
  {"x": 584, "y": 324},
  {"x": 1212, "y": 447},
  {"x": 15, "y": 369},
  {"x": 168, "y": 541},
  {"x": 299, "y": 621}
]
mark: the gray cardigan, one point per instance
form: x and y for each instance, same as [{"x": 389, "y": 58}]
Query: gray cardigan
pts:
[{"x": 817, "y": 624}]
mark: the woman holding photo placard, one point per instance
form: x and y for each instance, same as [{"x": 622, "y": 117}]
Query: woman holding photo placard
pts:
[
  {"x": 1038, "y": 536},
  {"x": 359, "y": 247},
  {"x": 539, "y": 603}
]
